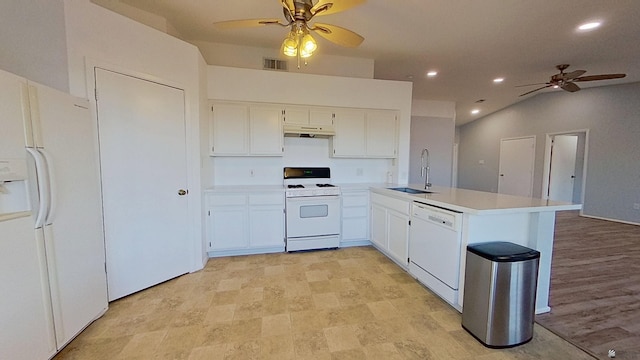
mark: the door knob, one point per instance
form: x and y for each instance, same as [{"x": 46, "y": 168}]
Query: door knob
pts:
[{"x": 182, "y": 192}]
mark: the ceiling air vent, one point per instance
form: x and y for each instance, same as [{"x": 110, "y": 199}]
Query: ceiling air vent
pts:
[{"x": 274, "y": 64}]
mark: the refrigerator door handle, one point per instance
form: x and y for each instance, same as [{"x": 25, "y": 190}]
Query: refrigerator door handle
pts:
[
  {"x": 46, "y": 156},
  {"x": 43, "y": 203}
]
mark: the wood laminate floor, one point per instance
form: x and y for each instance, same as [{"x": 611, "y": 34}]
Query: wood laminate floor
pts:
[
  {"x": 350, "y": 303},
  {"x": 595, "y": 285}
]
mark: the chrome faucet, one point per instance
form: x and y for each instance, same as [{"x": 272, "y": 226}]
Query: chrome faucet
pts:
[{"x": 424, "y": 170}]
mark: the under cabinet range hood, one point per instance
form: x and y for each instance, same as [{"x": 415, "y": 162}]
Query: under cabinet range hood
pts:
[{"x": 295, "y": 130}]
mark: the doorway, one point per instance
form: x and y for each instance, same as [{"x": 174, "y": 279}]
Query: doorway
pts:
[
  {"x": 565, "y": 166},
  {"x": 517, "y": 158},
  {"x": 142, "y": 140}
]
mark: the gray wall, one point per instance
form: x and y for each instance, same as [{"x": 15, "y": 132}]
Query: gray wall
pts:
[
  {"x": 611, "y": 113},
  {"x": 436, "y": 134},
  {"x": 33, "y": 41}
]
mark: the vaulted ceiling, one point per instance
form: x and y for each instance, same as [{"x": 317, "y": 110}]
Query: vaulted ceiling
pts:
[{"x": 468, "y": 42}]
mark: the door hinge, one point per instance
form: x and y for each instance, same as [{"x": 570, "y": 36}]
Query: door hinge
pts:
[
  {"x": 213, "y": 149},
  {"x": 212, "y": 109},
  {"x": 409, "y": 222},
  {"x": 209, "y": 244},
  {"x": 209, "y": 213},
  {"x": 408, "y": 260},
  {"x": 283, "y": 149}
]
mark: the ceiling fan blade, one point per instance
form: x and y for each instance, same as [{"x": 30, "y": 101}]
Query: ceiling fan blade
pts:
[
  {"x": 338, "y": 35},
  {"x": 531, "y": 84},
  {"x": 328, "y": 7},
  {"x": 573, "y": 74},
  {"x": 532, "y": 91},
  {"x": 288, "y": 4},
  {"x": 600, "y": 77},
  {"x": 570, "y": 87},
  {"x": 234, "y": 24}
]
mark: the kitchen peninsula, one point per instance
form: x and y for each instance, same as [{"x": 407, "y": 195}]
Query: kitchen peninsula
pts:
[{"x": 478, "y": 217}]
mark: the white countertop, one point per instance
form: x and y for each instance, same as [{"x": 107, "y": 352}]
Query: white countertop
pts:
[
  {"x": 244, "y": 188},
  {"x": 477, "y": 202}
]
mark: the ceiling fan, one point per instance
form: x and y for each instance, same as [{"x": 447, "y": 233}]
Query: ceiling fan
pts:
[
  {"x": 566, "y": 81},
  {"x": 297, "y": 14}
]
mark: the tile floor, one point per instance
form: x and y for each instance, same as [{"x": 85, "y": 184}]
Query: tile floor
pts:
[{"x": 350, "y": 303}]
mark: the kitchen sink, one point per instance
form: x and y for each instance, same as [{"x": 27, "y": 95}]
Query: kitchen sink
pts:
[{"x": 411, "y": 191}]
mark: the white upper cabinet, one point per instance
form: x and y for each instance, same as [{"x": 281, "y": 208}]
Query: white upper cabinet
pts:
[
  {"x": 304, "y": 115},
  {"x": 265, "y": 130},
  {"x": 296, "y": 115},
  {"x": 244, "y": 129},
  {"x": 321, "y": 116},
  {"x": 229, "y": 127},
  {"x": 365, "y": 133},
  {"x": 381, "y": 133},
  {"x": 350, "y": 138}
]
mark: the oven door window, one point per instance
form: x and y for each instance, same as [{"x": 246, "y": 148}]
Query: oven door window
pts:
[{"x": 314, "y": 211}]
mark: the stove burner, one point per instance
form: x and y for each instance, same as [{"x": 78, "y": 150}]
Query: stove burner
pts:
[
  {"x": 324, "y": 185},
  {"x": 295, "y": 186}
]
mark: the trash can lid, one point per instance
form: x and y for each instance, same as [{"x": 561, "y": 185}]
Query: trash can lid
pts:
[{"x": 502, "y": 251}]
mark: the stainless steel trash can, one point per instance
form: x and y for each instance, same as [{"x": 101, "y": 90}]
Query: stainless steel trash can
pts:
[{"x": 500, "y": 293}]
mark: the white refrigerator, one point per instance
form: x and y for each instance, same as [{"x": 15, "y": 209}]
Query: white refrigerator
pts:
[{"x": 52, "y": 259}]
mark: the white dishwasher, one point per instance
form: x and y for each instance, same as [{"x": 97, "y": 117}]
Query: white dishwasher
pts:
[{"x": 435, "y": 249}]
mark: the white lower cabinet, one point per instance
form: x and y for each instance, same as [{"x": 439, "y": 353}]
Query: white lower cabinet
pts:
[
  {"x": 390, "y": 227},
  {"x": 355, "y": 218},
  {"x": 245, "y": 223}
]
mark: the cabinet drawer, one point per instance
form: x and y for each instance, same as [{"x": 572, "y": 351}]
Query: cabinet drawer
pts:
[
  {"x": 266, "y": 199},
  {"x": 225, "y": 200},
  {"x": 355, "y": 199},
  {"x": 352, "y": 212},
  {"x": 401, "y": 206}
]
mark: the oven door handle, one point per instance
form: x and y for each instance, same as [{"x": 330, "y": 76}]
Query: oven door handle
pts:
[{"x": 314, "y": 198}]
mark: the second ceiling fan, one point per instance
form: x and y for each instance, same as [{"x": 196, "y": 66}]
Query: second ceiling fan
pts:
[
  {"x": 297, "y": 14},
  {"x": 566, "y": 81}
]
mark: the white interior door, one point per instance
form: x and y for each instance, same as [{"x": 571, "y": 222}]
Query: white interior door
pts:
[
  {"x": 563, "y": 163},
  {"x": 517, "y": 158},
  {"x": 143, "y": 163}
]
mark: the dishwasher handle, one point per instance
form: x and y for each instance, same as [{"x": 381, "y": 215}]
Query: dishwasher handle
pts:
[{"x": 440, "y": 221}]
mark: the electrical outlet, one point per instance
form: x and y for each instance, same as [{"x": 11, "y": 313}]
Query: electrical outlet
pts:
[{"x": 636, "y": 206}]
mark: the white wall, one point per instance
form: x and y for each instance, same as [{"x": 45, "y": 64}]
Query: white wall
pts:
[
  {"x": 98, "y": 36},
  {"x": 226, "y": 83},
  {"x": 436, "y": 135},
  {"x": 611, "y": 115},
  {"x": 33, "y": 43},
  {"x": 251, "y": 58},
  {"x": 433, "y": 128}
]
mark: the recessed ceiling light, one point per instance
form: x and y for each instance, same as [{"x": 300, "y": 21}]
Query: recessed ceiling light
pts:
[
  {"x": 432, "y": 73},
  {"x": 589, "y": 26},
  {"x": 475, "y": 111},
  {"x": 498, "y": 80}
]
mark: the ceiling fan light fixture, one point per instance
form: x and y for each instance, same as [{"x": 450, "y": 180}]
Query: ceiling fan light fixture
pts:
[
  {"x": 308, "y": 45},
  {"x": 290, "y": 45}
]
